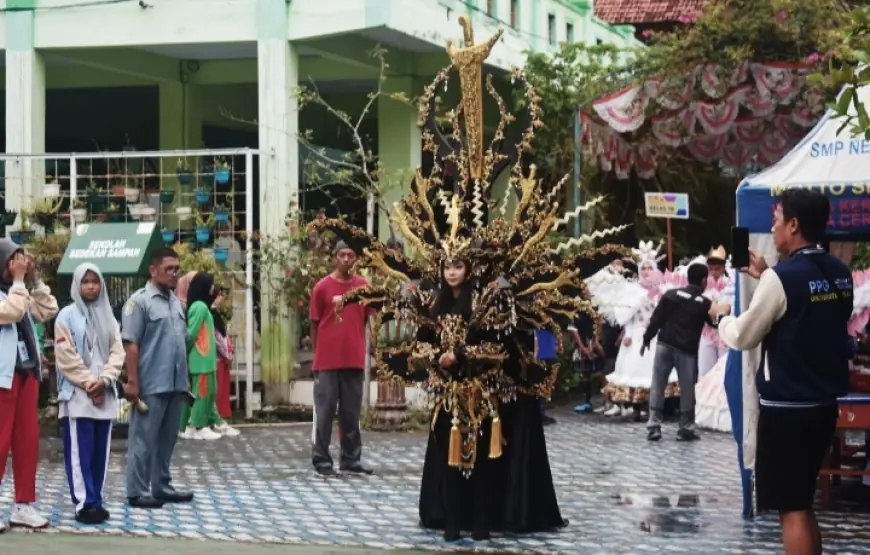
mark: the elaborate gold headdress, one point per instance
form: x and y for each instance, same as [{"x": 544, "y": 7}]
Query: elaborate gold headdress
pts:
[{"x": 521, "y": 284}]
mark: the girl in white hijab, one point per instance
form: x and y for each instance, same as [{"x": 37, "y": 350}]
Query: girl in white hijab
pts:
[{"x": 89, "y": 356}]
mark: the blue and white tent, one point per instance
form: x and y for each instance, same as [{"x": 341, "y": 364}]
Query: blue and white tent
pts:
[{"x": 839, "y": 166}]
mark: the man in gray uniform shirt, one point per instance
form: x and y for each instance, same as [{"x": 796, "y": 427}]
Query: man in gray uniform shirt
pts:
[{"x": 154, "y": 331}]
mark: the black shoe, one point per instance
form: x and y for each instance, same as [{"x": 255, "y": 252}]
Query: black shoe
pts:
[
  {"x": 89, "y": 516},
  {"x": 687, "y": 435},
  {"x": 654, "y": 434},
  {"x": 325, "y": 470},
  {"x": 548, "y": 420},
  {"x": 104, "y": 513},
  {"x": 357, "y": 469},
  {"x": 452, "y": 534},
  {"x": 144, "y": 502},
  {"x": 175, "y": 497},
  {"x": 480, "y": 535}
]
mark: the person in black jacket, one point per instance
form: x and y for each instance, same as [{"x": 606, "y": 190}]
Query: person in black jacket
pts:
[{"x": 678, "y": 320}]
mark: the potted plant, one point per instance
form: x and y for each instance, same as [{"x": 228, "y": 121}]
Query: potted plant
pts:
[
  {"x": 201, "y": 195},
  {"x": 24, "y": 233},
  {"x": 45, "y": 213},
  {"x": 203, "y": 224},
  {"x": 183, "y": 213},
  {"x": 113, "y": 213},
  {"x": 222, "y": 212},
  {"x": 51, "y": 189},
  {"x": 183, "y": 173},
  {"x": 221, "y": 171},
  {"x": 78, "y": 210},
  {"x": 167, "y": 196},
  {"x": 97, "y": 197},
  {"x": 168, "y": 235},
  {"x": 148, "y": 213},
  {"x": 221, "y": 255},
  {"x": 131, "y": 194}
]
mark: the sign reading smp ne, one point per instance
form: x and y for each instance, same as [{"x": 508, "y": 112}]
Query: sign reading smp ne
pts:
[
  {"x": 826, "y": 149},
  {"x": 667, "y": 205}
]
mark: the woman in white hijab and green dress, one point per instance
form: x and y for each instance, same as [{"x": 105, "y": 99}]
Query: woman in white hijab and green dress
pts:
[{"x": 89, "y": 356}]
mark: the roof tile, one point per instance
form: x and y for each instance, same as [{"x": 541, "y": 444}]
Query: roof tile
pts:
[{"x": 617, "y": 12}]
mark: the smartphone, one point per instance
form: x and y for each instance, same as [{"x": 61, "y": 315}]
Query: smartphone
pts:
[{"x": 740, "y": 247}]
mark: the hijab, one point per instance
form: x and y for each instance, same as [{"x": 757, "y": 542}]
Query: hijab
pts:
[
  {"x": 201, "y": 289},
  {"x": 183, "y": 286},
  {"x": 100, "y": 323}
]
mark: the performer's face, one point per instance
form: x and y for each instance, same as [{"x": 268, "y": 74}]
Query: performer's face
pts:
[
  {"x": 716, "y": 270},
  {"x": 617, "y": 267},
  {"x": 454, "y": 273},
  {"x": 344, "y": 260},
  {"x": 645, "y": 271}
]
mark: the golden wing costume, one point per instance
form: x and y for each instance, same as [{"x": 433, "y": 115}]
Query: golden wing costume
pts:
[{"x": 521, "y": 283}]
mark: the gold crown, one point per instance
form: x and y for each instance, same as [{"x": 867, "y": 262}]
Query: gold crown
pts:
[{"x": 718, "y": 253}]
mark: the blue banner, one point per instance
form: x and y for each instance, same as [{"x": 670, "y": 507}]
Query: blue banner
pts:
[{"x": 850, "y": 207}]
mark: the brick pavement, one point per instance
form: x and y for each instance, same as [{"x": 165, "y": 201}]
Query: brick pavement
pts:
[{"x": 621, "y": 494}]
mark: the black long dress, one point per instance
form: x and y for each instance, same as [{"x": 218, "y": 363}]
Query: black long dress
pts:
[{"x": 448, "y": 500}]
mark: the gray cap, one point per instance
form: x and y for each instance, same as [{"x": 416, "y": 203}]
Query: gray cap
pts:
[{"x": 339, "y": 246}]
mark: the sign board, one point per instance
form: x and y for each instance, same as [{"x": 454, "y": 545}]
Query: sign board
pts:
[
  {"x": 117, "y": 249},
  {"x": 667, "y": 205}
]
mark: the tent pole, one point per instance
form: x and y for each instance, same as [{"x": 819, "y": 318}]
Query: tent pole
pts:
[
  {"x": 670, "y": 245},
  {"x": 578, "y": 163}
]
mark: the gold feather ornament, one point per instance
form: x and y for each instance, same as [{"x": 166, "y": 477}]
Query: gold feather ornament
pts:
[{"x": 519, "y": 284}]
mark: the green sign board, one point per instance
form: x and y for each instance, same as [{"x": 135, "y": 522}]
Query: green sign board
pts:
[{"x": 117, "y": 249}]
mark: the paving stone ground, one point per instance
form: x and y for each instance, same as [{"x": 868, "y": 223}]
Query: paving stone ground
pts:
[{"x": 620, "y": 493}]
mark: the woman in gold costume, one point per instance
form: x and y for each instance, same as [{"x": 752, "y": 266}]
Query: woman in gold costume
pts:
[{"x": 473, "y": 289}]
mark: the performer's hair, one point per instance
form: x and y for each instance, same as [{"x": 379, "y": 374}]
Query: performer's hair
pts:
[{"x": 696, "y": 274}]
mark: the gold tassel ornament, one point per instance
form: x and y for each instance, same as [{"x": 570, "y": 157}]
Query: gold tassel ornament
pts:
[
  {"x": 454, "y": 451},
  {"x": 495, "y": 438}
]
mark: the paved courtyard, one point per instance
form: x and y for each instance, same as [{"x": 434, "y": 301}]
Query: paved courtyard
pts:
[{"x": 620, "y": 493}]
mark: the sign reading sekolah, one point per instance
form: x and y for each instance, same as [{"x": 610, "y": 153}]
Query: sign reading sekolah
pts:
[{"x": 117, "y": 249}]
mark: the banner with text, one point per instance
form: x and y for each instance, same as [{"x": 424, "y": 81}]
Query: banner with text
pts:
[
  {"x": 850, "y": 207},
  {"x": 667, "y": 205},
  {"x": 117, "y": 249}
]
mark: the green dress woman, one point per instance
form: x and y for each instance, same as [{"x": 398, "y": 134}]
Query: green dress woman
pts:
[{"x": 197, "y": 421}]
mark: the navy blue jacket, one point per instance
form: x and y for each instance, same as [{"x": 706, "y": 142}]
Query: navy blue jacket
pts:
[{"x": 808, "y": 348}]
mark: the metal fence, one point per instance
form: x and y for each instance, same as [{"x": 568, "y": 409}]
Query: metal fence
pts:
[{"x": 202, "y": 199}]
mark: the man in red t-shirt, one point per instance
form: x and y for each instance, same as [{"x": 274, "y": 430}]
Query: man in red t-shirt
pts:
[{"x": 339, "y": 362}]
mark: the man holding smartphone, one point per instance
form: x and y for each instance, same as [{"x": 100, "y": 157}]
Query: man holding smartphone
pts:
[{"x": 798, "y": 316}]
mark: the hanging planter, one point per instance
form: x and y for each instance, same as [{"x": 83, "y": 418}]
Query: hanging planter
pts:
[
  {"x": 79, "y": 214},
  {"x": 21, "y": 236},
  {"x": 183, "y": 213},
  {"x": 131, "y": 194},
  {"x": 135, "y": 210},
  {"x": 118, "y": 190},
  {"x": 221, "y": 255},
  {"x": 221, "y": 176},
  {"x": 202, "y": 234},
  {"x": 168, "y": 236},
  {"x": 51, "y": 190},
  {"x": 221, "y": 215},
  {"x": 201, "y": 196},
  {"x": 167, "y": 196},
  {"x": 148, "y": 213}
]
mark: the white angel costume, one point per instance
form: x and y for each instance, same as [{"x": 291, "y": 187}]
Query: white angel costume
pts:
[{"x": 636, "y": 299}]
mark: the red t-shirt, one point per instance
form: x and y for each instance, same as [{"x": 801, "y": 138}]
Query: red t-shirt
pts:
[{"x": 340, "y": 345}]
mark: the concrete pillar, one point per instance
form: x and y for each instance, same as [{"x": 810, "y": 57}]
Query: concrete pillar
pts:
[
  {"x": 25, "y": 108},
  {"x": 399, "y": 145},
  {"x": 278, "y": 117},
  {"x": 180, "y": 128}
]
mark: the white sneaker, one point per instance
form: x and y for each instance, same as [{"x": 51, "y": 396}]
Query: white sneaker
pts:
[
  {"x": 188, "y": 433},
  {"x": 2, "y": 527},
  {"x": 206, "y": 434},
  {"x": 628, "y": 411},
  {"x": 25, "y": 516},
  {"x": 225, "y": 429},
  {"x": 615, "y": 410}
]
